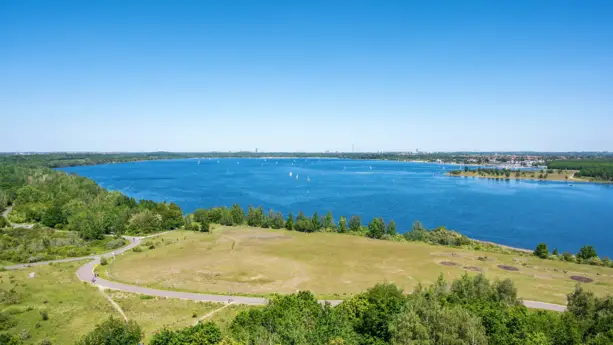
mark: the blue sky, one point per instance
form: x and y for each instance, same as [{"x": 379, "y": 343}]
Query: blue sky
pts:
[{"x": 307, "y": 76}]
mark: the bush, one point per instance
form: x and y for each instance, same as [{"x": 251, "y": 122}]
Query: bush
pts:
[
  {"x": 7, "y": 339},
  {"x": 7, "y": 321},
  {"x": 137, "y": 249},
  {"x": 116, "y": 243},
  {"x": 586, "y": 253},
  {"x": 113, "y": 332},
  {"x": 566, "y": 256},
  {"x": 541, "y": 251},
  {"x": 45, "y": 342},
  {"x": 24, "y": 334},
  {"x": 104, "y": 261},
  {"x": 44, "y": 315}
]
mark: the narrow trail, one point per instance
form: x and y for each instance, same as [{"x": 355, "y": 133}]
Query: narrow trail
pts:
[
  {"x": 86, "y": 273},
  {"x": 213, "y": 313},
  {"x": 113, "y": 303},
  {"x": 15, "y": 225}
]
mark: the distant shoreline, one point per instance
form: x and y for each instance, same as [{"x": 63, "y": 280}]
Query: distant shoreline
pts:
[{"x": 553, "y": 178}]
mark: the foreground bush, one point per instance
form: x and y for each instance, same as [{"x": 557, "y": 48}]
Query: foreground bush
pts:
[{"x": 113, "y": 332}]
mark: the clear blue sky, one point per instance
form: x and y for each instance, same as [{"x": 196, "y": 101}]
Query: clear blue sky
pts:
[{"x": 308, "y": 76}]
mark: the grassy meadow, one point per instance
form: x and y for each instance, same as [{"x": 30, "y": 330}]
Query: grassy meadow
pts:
[
  {"x": 73, "y": 307},
  {"x": 154, "y": 313},
  {"x": 254, "y": 261}
]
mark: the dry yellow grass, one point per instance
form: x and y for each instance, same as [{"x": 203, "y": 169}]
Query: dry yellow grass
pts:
[{"x": 263, "y": 261}]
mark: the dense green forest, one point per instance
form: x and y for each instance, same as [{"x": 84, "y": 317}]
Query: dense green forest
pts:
[
  {"x": 470, "y": 310},
  {"x": 62, "y": 201},
  {"x": 601, "y": 169}
]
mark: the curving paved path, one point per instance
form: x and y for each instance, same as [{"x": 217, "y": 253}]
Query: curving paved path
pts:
[
  {"x": 86, "y": 273},
  {"x": 15, "y": 225}
]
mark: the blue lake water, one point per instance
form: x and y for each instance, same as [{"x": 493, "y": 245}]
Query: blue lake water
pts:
[{"x": 515, "y": 213}]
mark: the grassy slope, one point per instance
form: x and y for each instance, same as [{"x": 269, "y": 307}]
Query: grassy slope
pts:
[
  {"x": 260, "y": 261},
  {"x": 74, "y": 307},
  {"x": 156, "y": 313}
]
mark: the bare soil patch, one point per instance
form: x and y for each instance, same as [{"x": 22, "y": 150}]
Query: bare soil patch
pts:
[
  {"x": 582, "y": 279},
  {"x": 472, "y": 268},
  {"x": 448, "y": 263},
  {"x": 508, "y": 268}
]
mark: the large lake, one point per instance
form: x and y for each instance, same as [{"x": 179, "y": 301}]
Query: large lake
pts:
[{"x": 515, "y": 213}]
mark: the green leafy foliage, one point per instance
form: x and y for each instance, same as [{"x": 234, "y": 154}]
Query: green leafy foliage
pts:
[
  {"x": 201, "y": 334},
  {"x": 113, "y": 332},
  {"x": 601, "y": 169},
  {"x": 541, "y": 251}
]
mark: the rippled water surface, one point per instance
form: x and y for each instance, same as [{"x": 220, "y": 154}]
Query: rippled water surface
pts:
[{"x": 516, "y": 213}]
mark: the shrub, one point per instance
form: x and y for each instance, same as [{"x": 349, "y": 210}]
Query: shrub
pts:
[
  {"x": 587, "y": 252},
  {"x": 7, "y": 339},
  {"x": 146, "y": 297},
  {"x": 566, "y": 256},
  {"x": 541, "y": 251},
  {"x": 137, "y": 249},
  {"x": 44, "y": 315},
  {"x": 24, "y": 334},
  {"x": 7, "y": 321},
  {"x": 104, "y": 261},
  {"x": 45, "y": 342},
  {"x": 113, "y": 331},
  {"x": 114, "y": 244}
]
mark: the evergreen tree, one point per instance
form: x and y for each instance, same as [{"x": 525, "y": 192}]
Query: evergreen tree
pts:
[
  {"x": 238, "y": 215},
  {"x": 355, "y": 223},
  {"x": 586, "y": 253},
  {"x": 376, "y": 228},
  {"x": 259, "y": 216},
  {"x": 278, "y": 222},
  {"x": 316, "y": 224},
  {"x": 342, "y": 225},
  {"x": 289, "y": 224},
  {"x": 541, "y": 251},
  {"x": 328, "y": 221},
  {"x": 251, "y": 216},
  {"x": 391, "y": 228}
]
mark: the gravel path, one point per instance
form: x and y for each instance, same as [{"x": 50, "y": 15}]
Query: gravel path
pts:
[{"x": 86, "y": 273}]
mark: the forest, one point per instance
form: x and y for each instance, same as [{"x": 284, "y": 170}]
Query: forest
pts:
[{"x": 601, "y": 169}]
